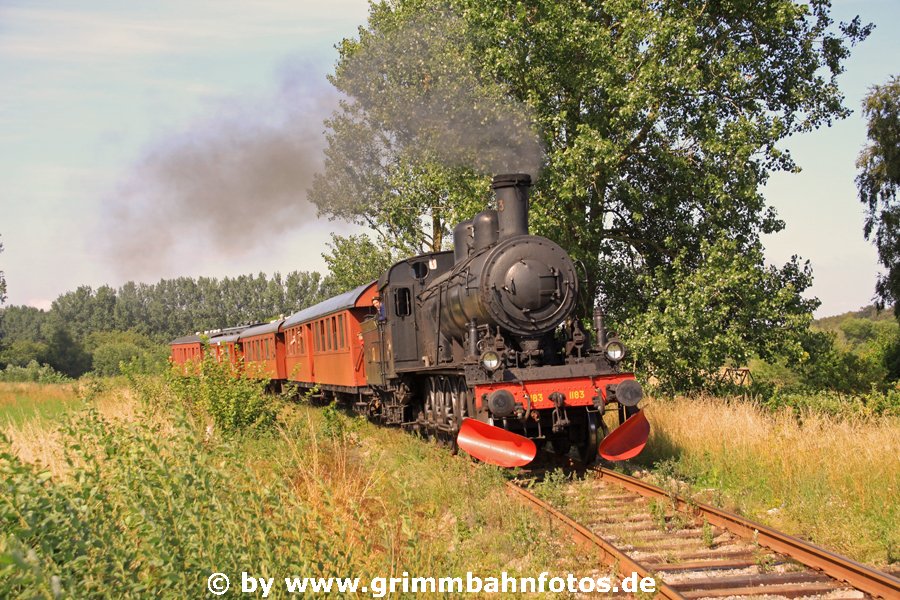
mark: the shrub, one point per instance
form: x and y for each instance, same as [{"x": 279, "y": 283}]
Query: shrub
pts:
[
  {"x": 875, "y": 404},
  {"x": 33, "y": 372},
  {"x": 106, "y": 358},
  {"x": 338, "y": 426},
  {"x": 234, "y": 402},
  {"x": 150, "y": 510}
]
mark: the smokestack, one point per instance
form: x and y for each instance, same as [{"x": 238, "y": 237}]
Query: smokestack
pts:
[
  {"x": 462, "y": 240},
  {"x": 512, "y": 203}
]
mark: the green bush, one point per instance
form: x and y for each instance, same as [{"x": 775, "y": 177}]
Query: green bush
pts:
[
  {"x": 234, "y": 402},
  {"x": 150, "y": 511},
  {"x": 874, "y": 404},
  {"x": 108, "y": 357},
  {"x": 21, "y": 352},
  {"x": 338, "y": 426},
  {"x": 853, "y": 361},
  {"x": 111, "y": 349},
  {"x": 32, "y": 372}
]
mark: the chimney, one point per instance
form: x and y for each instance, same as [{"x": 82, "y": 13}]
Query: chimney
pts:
[{"x": 512, "y": 203}]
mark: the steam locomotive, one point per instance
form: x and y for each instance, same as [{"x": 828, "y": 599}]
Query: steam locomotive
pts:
[{"x": 478, "y": 346}]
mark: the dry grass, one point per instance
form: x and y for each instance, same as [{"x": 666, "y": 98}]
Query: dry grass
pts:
[
  {"x": 20, "y": 402},
  {"x": 35, "y": 437},
  {"x": 834, "y": 481},
  {"x": 14, "y": 393}
]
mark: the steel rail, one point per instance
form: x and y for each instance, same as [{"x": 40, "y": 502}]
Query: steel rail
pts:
[
  {"x": 861, "y": 577},
  {"x": 609, "y": 554}
]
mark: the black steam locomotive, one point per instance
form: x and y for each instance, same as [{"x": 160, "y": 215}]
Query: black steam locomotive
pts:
[{"x": 480, "y": 346}]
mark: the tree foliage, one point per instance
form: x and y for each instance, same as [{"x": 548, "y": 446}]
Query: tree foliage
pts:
[
  {"x": 2, "y": 282},
  {"x": 877, "y": 182},
  {"x": 852, "y": 353},
  {"x": 417, "y": 116},
  {"x": 659, "y": 123},
  {"x": 353, "y": 261},
  {"x": 728, "y": 310},
  {"x": 104, "y": 327}
]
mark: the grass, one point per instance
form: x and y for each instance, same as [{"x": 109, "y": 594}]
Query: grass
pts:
[
  {"x": 834, "y": 481},
  {"x": 21, "y": 402},
  {"x": 123, "y": 499},
  {"x": 129, "y": 493}
]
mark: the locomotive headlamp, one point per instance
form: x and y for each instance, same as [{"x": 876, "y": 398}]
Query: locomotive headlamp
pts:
[
  {"x": 490, "y": 360},
  {"x": 615, "y": 350}
]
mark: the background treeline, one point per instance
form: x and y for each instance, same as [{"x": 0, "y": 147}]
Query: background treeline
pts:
[
  {"x": 855, "y": 353},
  {"x": 94, "y": 330}
]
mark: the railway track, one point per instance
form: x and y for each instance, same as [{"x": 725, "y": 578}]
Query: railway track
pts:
[{"x": 697, "y": 551}]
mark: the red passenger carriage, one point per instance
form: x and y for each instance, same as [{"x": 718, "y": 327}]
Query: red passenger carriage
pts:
[
  {"x": 186, "y": 350},
  {"x": 262, "y": 347},
  {"x": 323, "y": 342}
]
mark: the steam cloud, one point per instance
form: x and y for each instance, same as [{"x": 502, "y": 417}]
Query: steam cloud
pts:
[
  {"x": 228, "y": 181},
  {"x": 420, "y": 84}
]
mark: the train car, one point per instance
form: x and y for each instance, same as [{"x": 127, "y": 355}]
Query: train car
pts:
[
  {"x": 324, "y": 345},
  {"x": 187, "y": 352},
  {"x": 225, "y": 346},
  {"x": 262, "y": 348}
]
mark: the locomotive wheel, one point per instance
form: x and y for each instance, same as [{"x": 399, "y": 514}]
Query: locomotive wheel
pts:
[
  {"x": 446, "y": 412},
  {"x": 459, "y": 401},
  {"x": 562, "y": 446},
  {"x": 587, "y": 451},
  {"x": 431, "y": 403}
]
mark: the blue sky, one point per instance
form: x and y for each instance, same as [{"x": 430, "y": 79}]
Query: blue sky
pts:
[{"x": 92, "y": 93}]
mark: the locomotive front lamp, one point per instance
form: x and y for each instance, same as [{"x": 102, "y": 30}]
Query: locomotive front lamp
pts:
[
  {"x": 490, "y": 360},
  {"x": 615, "y": 350}
]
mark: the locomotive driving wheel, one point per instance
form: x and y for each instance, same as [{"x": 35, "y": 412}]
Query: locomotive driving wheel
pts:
[
  {"x": 457, "y": 405},
  {"x": 432, "y": 403},
  {"x": 587, "y": 450}
]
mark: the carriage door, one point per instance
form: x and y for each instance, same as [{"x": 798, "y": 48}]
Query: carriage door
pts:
[{"x": 401, "y": 318}]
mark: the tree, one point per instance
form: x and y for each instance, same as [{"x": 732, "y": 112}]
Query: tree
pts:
[
  {"x": 2, "y": 282},
  {"x": 353, "y": 261},
  {"x": 659, "y": 123},
  {"x": 2, "y": 300},
  {"x": 877, "y": 182},
  {"x": 399, "y": 155},
  {"x": 64, "y": 352},
  {"x": 727, "y": 311}
]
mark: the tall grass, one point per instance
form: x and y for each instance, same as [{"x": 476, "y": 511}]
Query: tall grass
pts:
[
  {"x": 833, "y": 480},
  {"x": 138, "y": 500},
  {"x": 20, "y": 402}
]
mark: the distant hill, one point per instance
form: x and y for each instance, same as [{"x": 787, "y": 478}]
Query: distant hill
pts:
[
  {"x": 859, "y": 328},
  {"x": 866, "y": 312}
]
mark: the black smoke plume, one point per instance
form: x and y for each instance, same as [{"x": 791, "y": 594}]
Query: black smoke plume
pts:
[{"x": 235, "y": 179}]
